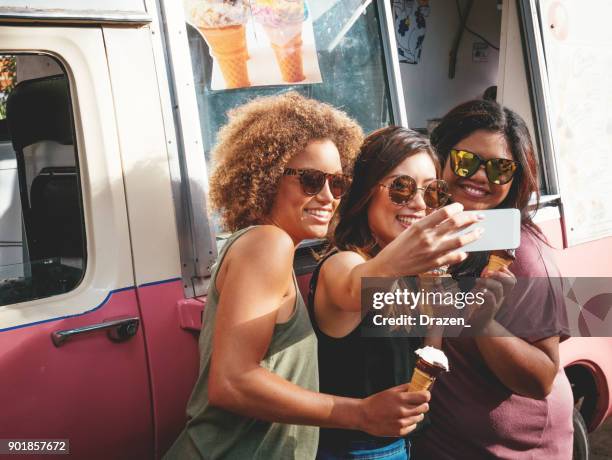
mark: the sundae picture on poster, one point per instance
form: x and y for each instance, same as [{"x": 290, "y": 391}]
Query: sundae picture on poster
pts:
[{"x": 256, "y": 42}]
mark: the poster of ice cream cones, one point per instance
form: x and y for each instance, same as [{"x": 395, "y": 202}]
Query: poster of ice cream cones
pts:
[{"x": 256, "y": 42}]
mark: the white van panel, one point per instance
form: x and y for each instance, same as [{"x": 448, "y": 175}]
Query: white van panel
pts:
[
  {"x": 109, "y": 265},
  {"x": 144, "y": 154}
]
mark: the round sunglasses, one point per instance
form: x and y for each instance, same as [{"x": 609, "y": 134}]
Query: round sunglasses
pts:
[
  {"x": 404, "y": 188},
  {"x": 313, "y": 181},
  {"x": 499, "y": 170}
]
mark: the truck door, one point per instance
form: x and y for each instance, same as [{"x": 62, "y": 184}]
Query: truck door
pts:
[{"x": 72, "y": 351}]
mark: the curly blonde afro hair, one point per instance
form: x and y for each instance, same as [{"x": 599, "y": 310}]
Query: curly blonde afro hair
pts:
[{"x": 258, "y": 141}]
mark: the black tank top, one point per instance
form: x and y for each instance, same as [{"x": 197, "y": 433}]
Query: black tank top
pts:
[{"x": 357, "y": 367}]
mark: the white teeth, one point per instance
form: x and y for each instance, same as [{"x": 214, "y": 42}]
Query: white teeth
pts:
[
  {"x": 474, "y": 191},
  {"x": 407, "y": 219},
  {"x": 318, "y": 213}
]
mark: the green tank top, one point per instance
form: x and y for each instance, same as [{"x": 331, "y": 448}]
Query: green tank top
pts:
[{"x": 214, "y": 433}]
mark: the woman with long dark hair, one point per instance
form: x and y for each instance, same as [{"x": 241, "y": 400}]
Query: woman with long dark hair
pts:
[
  {"x": 506, "y": 396},
  {"x": 380, "y": 232}
]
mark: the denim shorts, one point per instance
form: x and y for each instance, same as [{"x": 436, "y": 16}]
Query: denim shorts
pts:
[{"x": 397, "y": 449}]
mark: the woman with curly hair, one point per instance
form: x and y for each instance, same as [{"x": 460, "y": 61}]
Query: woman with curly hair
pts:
[{"x": 280, "y": 169}]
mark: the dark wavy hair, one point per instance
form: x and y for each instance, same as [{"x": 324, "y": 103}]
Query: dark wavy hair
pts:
[{"x": 380, "y": 153}]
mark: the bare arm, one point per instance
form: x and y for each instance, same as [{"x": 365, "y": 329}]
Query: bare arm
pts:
[
  {"x": 247, "y": 310},
  {"x": 526, "y": 369},
  {"x": 426, "y": 244}
]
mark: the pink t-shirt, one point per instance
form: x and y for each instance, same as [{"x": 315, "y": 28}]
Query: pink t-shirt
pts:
[{"x": 474, "y": 416}]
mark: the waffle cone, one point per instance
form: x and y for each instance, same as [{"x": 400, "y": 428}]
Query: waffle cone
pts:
[
  {"x": 287, "y": 45},
  {"x": 289, "y": 61},
  {"x": 424, "y": 375},
  {"x": 228, "y": 47},
  {"x": 496, "y": 263},
  {"x": 420, "y": 381}
]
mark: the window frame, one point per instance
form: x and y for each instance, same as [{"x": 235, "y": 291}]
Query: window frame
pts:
[
  {"x": 535, "y": 64},
  {"x": 198, "y": 246},
  {"x": 109, "y": 268},
  {"x": 63, "y": 65},
  {"x": 188, "y": 168}
]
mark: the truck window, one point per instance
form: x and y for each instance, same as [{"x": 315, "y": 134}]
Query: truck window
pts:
[
  {"x": 42, "y": 244},
  {"x": 349, "y": 49},
  {"x": 351, "y": 63},
  {"x": 469, "y": 49}
]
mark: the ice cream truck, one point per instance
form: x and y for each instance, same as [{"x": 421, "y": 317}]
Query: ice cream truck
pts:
[{"x": 108, "y": 113}]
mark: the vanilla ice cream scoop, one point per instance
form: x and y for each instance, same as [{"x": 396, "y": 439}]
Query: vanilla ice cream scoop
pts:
[
  {"x": 433, "y": 356},
  {"x": 431, "y": 363}
]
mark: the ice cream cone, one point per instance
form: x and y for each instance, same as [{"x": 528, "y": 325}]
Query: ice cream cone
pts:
[
  {"x": 286, "y": 41},
  {"x": 228, "y": 47},
  {"x": 500, "y": 259},
  {"x": 430, "y": 364},
  {"x": 496, "y": 263},
  {"x": 420, "y": 380}
]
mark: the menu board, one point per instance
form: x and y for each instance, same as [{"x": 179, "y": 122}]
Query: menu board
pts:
[{"x": 577, "y": 37}]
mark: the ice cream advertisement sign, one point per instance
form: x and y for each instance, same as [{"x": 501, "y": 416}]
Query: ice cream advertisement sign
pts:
[{"x": 256, "y": 42}]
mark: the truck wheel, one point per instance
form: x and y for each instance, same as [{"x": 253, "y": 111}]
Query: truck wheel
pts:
[{"x": 581, "y": 437}]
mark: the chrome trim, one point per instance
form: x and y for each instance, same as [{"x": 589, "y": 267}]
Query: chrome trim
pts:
[
  {"x": 180, "y": 199},
  {"x": 12, "y": 14},
  {"x": 189, "y": 174},
  {"x": 545, "y": 200},
  {"x": 118, "y": 330},
  {"x": 535, "y": 60},
  {"x": 394, "y": 76}
]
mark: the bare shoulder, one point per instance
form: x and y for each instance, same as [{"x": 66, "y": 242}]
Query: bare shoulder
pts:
[
  {"x": 342, "y": 262},
  {"x": 264, "y": 244}
]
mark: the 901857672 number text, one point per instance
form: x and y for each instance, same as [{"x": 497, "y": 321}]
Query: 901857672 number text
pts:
[{"x": 34, "y": 446}]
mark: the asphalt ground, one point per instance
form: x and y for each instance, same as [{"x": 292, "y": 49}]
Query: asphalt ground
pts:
[{"x": 601, "y": 442}]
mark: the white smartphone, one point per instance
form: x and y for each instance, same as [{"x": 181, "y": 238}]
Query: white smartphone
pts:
[{"x": 502, "y": 230}]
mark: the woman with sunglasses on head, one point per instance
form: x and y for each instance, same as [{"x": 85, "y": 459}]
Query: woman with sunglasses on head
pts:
[
  {"x": 280, "y": 169},
  {"x": 380, "y": 233},
  {"x": 506, "y": 396}
]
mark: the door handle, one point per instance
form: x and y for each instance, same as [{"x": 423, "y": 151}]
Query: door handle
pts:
[{"x": 117, "y": 330}]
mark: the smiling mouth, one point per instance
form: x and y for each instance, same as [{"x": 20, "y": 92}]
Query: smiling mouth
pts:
[
  {"x": 473, "y": 191},
  {"x": 322, "y": 215},
  {"x": 406, "y": 221}
]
